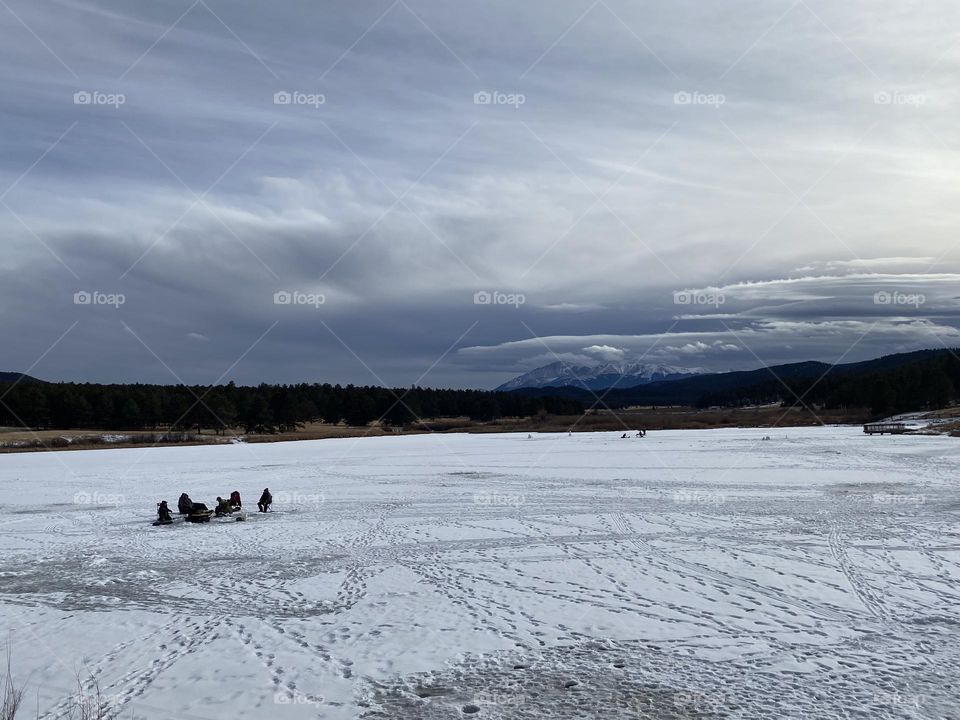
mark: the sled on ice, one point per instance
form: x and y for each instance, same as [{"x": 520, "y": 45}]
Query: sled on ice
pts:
[{"x": 199, "y": 516}]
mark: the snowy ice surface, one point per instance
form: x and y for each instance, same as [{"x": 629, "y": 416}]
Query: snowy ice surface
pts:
[{"x": 687, "y": 574}]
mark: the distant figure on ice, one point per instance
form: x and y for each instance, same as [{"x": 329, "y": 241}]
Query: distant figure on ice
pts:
[
  {"x": 235, "y": 499},
  {"x": 266, "y": 500},
  {"x": 223, "y": 507},
  {"x": 623, "y": 436},
  {"x": 185, "y": 504},
  {"x": 163, "y": 512}
]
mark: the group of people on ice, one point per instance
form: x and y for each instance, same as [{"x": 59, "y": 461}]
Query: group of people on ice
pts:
[{"x": 225, "y": 506}]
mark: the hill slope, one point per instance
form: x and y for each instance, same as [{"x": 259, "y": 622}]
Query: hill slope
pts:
[
  {"x": 750, "y": 386},
  {"x": 8, "y": 378}
]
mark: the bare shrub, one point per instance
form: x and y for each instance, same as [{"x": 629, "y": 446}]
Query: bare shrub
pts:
[
  {"x": 12, "y": 693},
  {"x": 89, "y": 703}
]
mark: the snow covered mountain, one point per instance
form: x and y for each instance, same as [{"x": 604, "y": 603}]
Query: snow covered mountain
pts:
[{"x": 600, "y": 376}]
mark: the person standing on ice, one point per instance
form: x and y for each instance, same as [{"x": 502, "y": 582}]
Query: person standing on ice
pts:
[{"x": 266, "y": 500}]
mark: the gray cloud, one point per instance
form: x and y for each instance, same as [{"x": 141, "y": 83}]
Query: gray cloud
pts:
[{"x": 798, "y": 159}]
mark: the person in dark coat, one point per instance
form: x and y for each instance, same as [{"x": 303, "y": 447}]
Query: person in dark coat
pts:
[
  {"x": 163, "y": 512},
  {"x": 266, "y": 500},
  {"x": 185, "y": 504},
  {"x": 235, "y": 499}
]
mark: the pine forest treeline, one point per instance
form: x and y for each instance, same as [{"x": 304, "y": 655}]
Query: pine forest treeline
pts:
[{"x": 265, "y": 408}]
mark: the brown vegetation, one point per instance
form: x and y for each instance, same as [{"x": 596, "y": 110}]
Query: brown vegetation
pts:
[{"x": 659, "y": 418}]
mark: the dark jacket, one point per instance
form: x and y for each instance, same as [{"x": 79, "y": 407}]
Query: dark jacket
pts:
[{"x": 184, "y": 504}]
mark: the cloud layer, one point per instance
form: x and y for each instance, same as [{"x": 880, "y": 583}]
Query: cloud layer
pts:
[{"x": 450, "y": 195}]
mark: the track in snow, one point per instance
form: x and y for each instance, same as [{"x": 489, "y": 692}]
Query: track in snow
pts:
[{"x": 497, "y": 577}]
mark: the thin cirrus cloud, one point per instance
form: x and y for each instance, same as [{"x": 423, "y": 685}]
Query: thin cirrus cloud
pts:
[{"x": 582, "y": 163}]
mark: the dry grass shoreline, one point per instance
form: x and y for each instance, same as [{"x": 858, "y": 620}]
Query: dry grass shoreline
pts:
[{"x": 14, "y": 440}]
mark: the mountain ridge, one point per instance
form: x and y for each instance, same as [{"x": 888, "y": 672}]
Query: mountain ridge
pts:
[
  {"x": 599, "y": 376},
  {"x": 720, "y": 388}
]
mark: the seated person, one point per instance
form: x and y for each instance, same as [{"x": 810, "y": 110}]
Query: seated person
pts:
[
  {"x": 266, "y": 500},
  {"x": 163, "y": 512},
  {"x": 235, "y": 499},
  {"x": 185, "y": 504},
  {"x": 223, "y": 507}
]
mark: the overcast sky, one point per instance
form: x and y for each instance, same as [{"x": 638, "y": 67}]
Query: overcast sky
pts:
[{"x": 450, "y": 194}]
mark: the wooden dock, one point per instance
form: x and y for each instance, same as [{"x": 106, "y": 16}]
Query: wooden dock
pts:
[{"x": 885, "y": 428}]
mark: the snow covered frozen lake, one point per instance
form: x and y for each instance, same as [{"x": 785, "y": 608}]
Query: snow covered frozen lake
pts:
[{"x": 687, "y": 574}]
